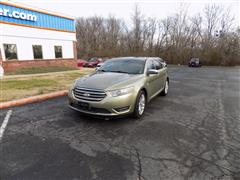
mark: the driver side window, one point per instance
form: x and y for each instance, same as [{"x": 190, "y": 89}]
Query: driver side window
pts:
[
  {"x": 151, "y": 65},
  {"x": 157, "y": 64}
]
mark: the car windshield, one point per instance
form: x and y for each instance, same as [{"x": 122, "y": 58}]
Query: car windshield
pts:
[
  {"x": 130, "y": 66},
  {"x": 196, "y": 60}
]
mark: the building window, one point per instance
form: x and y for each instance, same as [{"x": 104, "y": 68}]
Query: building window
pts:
[
  {"x": 58, "y": 51},
  {"x": 10, "y": 51},
  {"x": 37, "y": 52}
]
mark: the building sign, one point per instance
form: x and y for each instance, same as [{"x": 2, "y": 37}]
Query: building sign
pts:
[
  {"x": 17, "y": 15},
  {"x": 24, "y": 16}
]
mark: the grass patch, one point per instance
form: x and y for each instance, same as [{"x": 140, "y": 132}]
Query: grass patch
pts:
[
  {"x": 38, "y": 70},
  {"x": 27, "y": 84},
  {"x": 17, "y": 88}
]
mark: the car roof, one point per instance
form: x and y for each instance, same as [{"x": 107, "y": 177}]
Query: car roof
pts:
[{"x": 134, "y": 58}]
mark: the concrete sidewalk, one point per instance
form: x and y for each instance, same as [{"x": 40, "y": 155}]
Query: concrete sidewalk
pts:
[{"x": 46, "y": 74}]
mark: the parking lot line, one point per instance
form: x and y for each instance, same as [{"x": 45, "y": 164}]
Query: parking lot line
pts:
[
  {"x": 203, "y": 79},
  {"x": 4, "y": 124},
  {"x": 173, "y": 81}
]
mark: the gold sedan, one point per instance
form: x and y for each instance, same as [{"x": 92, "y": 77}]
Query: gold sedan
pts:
[{"x": 120, "y": 86}]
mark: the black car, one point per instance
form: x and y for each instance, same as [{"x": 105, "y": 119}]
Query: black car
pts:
[{"x": 195, "y": 62}]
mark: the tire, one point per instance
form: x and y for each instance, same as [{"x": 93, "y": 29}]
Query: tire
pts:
[
  {"x": 165, "y": 90},
  {"x": 140, "y": 105}
]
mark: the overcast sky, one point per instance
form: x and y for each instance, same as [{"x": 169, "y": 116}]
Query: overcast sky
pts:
[{"x": 123, "y": 9}]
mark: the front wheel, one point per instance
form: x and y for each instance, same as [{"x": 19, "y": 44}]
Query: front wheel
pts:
[
  {"x": 165, "y": 90},
  {"x": 140, "y": 105}
]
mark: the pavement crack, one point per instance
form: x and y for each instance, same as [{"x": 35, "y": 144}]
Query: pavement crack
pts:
[
  {"x": 139, "y": 164},
  {"x": 139, "y": 161}
]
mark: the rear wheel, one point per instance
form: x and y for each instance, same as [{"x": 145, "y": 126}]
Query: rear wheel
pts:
[
  {"x": 140, "y": 105},
  {"x": 165, "y": 90}
]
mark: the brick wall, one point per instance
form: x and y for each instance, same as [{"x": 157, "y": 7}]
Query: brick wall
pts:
[{"x": 10, "y": 66}]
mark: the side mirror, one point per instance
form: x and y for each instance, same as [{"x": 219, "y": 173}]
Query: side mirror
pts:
[
  {"x": 152, "y": 71},
  {"x": 159, "y": 67}
]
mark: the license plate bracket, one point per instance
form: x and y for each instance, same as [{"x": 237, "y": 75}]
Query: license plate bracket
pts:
[{"x": 83, "y": 105}]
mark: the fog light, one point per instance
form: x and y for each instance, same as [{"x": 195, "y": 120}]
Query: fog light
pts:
[{"x": 121, "y": 109}]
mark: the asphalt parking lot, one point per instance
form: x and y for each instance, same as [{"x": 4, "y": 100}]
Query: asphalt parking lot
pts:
[{"x": 193, "y": 133}]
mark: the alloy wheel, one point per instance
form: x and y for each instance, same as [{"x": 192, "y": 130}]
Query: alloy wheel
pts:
[{"x": 141, "y": 104}]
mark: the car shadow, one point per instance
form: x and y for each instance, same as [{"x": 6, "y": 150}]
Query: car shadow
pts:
[{"x": 93, "y": 119}]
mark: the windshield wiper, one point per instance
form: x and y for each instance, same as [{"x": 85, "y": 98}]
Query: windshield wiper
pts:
[{"x": 119, "y": 72}]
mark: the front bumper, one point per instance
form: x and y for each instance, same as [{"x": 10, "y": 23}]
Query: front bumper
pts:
[{"x": 109, "y": 106}]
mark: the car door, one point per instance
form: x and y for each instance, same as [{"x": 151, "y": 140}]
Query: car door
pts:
[
  {"x": 162, "y": 74},
  {"x": 152, "y": 79}
]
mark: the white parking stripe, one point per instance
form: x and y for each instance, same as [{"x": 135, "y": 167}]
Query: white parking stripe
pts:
[
  {"x": 173, "y": 81},
  {"x": 203, "y": 79},
  {"x": 4, "y": 124}
]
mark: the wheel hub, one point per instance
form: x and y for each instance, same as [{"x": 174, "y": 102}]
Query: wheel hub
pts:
[{"x": 141, "y": 104}]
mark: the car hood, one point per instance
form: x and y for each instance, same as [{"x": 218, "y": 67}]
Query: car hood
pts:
[{"x": 107, "y": 80}]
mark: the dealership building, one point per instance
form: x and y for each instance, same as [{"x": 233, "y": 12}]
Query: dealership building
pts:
[{"x": 35, "y": 37}]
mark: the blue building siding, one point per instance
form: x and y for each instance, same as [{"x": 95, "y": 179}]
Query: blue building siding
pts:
[{"x": 43, "y": 20}]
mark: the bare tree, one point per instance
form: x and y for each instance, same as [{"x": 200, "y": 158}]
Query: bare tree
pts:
[
  {"x": 212, "y": 15},
  {"x": 176, "y": 38}
]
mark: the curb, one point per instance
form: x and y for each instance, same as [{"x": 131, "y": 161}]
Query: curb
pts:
[{"x": 32, "y": 99}]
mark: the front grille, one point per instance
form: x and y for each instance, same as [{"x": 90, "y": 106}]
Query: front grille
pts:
[{"x": 88, "y": 94}]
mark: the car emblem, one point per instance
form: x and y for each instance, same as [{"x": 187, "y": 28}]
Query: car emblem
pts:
[{"x": 86, "y": 94}]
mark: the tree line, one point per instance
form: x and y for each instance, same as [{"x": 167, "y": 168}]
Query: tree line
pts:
[{"x": 211, "y": 36}]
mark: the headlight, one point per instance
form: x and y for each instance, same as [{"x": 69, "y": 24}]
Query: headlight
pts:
[
  {"x": 120, "y": 92},
  {"x": 73, "y": 85}
]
